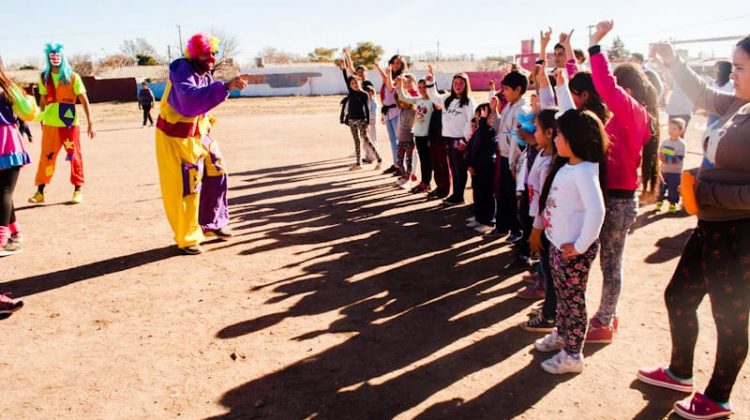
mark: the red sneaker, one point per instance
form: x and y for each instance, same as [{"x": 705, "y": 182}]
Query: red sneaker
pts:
[
  {"x": 531, "y": 293},
  {"x": 8, "y": 305},
  {"x": 660, "y": 377},
  {"x": 599, "y": 333},
  {"x": 615, "y": 322},
  {"x": 699, "y": 407}
]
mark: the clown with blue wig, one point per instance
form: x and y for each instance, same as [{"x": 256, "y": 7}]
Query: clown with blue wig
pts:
[
  {"x": 191, "y": 169},
  {"x": 60, "y": 88}
]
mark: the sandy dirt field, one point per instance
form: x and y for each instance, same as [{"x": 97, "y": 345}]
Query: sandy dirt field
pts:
[{"x": 341, "y": 296}]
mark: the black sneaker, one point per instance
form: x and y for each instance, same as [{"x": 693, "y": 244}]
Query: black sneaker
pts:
[
  {"x": 436, "y": 193},
  {"x": 539, "y": 325},
  {"x": 390, "y": 170},
  {"x": 514, "y": 237},
  {"x": 453, "y": 201},
  {"x": 498, "y": 233}
]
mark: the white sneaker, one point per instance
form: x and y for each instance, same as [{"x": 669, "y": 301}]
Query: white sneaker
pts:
[
  {"x": 484, "y": 229},
  {"x": 563, "y": 362},
  {"x": 471, "y": 219},
  {"x": 472, "y": 224},
  {"x": 550, "y": 342}
]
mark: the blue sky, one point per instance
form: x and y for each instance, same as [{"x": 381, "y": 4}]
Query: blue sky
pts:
[{"x": 476, "y": 27}]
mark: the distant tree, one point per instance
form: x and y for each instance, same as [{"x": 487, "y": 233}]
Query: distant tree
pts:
[
  {"x": 366, "y": 54},
  {"x": 146, "y": 60},
  {"x": 272, "y": 55},
  {"x": 229, "y": 45},
  {"x": 82, "y": 64},
  {"x": 116, "y": 61},
  {"x": 617, "y": 51},
  {"x": 28, "y": 67},
  {"x": 139, "y": 46},
  {"x": 499, "y": 58},
  {"x": 322, "y": 55}
]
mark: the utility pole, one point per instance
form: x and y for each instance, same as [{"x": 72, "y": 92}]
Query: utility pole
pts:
[
  {"x": 169, "y": 53},
  {"x": 179, "y": 33},
  {"x": 438, "y": 51}
]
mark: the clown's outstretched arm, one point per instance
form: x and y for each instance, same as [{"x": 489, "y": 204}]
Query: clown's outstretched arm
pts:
[
  {"x": 86, "y": 109},
  {"x": 187, "y": 97}
]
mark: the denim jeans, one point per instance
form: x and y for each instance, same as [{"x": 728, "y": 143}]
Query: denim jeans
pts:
[
  {"x": 620, "y": 216},
  {"x": 670, "y": 188},
  {"x": 392, "y": 125}
]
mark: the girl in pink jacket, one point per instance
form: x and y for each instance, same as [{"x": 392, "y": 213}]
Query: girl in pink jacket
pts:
[{"x": 631, "y": 102}]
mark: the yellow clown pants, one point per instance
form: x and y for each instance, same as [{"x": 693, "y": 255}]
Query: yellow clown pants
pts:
[{"x": 180, "y": 162}]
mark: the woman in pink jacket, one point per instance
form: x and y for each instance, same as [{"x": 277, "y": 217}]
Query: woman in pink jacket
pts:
[{"x": 632, "y": 103}]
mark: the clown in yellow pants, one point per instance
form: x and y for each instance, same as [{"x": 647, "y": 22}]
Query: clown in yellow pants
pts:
[
  {"x": 180, "y": 163},
  {"x": 190, "y": 172}
]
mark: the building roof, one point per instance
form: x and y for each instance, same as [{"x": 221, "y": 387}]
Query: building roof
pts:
[
  {"x": 160, "y": 72},
  {"x": 24, "y": 77},
  {"x": 457, "y": 66}
]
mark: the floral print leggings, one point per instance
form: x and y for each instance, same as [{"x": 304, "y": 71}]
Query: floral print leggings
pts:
[
  {"x": 360, "y": 134},
  {"x": 715, "y": 261},
  {"x": 406, "y": 156},
  {"x": 570, "y": 277}
]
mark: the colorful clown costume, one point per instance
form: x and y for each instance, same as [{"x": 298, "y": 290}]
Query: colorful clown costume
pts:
[
  {"x": 60, "y": 127},
  {"x": 13, "y": 156},
  {"x": 12, "y": 151},
  {"x": 190, "y": 164}
]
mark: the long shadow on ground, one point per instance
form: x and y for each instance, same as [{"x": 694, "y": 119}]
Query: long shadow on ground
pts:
[
  {"x": 406, "y": 286},
  {"x": 50, "y": 281}
]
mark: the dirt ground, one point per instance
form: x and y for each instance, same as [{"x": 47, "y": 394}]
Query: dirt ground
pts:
[{"x": 341, "y": 296}]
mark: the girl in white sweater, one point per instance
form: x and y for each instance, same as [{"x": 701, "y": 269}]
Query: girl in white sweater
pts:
[
  {"x": 573, "y": 216},
  {"x": 458, "y": 110}
]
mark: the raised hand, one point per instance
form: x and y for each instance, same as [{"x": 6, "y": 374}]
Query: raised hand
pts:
[
  {"x": 664, "y": 52},
  {"x": 430, "y": 74},
  {"x": 544, "y": 38},
  {"x": 602, "y": 29},
  {"x": 505, "y": 69},
  {"x": 565, "y": 38}
]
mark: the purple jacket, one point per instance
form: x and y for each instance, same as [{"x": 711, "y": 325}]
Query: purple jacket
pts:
[{"x": 192, "y": 94}]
